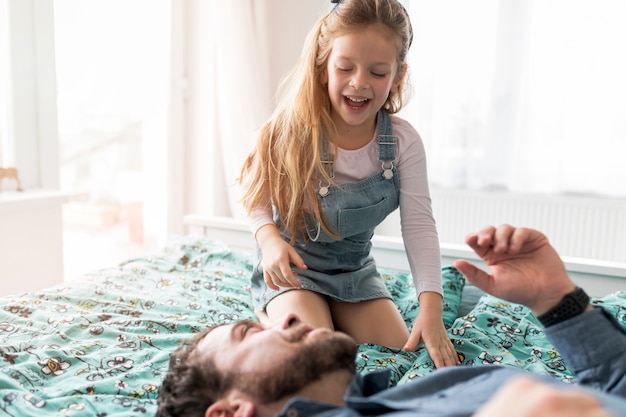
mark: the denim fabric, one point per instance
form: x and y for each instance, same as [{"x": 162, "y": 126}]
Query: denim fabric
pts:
[{"x": 343, "y": 269}]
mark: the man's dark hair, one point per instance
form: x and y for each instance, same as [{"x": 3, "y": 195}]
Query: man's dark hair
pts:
[{"x": 193, "y": 382}]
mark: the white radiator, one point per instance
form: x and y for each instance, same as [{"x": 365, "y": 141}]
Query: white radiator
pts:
[
  {"x": 580, "y": 227},
  {"x": 597, "y": 277}
]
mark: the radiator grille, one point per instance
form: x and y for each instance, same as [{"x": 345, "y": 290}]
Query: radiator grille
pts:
[{"x": 581, "y": 227}]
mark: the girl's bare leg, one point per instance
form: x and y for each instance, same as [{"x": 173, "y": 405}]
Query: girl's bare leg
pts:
[
  {"x": 373, "y": 321},
  {"x": 311, "y": 308}
]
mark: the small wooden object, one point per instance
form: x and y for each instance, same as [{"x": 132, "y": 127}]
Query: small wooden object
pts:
[{"x": 11, "y": 174}]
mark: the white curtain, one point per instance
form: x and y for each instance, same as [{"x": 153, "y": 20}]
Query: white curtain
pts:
[
  {"x": 238, "y": 50},
  {"x": 527, "y": 96},
  {"x": 240, "y": 98}
]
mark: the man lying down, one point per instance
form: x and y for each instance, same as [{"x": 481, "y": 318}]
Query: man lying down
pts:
[{"x": 290, "y": 369}]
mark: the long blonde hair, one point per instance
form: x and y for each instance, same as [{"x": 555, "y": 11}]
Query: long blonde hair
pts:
[{"x": 285, "y": 164}]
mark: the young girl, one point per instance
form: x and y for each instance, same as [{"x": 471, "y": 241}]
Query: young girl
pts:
[{"x": 328, "y": 167}]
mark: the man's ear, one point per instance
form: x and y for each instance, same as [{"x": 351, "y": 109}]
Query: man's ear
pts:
[{"x": 231, "y": 406}]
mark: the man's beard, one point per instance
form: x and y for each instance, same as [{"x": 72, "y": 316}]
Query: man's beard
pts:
[{"x": 306, "y": 366}]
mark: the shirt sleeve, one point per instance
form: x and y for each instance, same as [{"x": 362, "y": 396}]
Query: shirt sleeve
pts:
[
  {"x": 419, "y": 230},
  {"x": 593, "y": 345},
  {"x": 258, "y": 216}
]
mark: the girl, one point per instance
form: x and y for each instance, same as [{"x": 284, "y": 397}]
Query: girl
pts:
[{"x": 328, "y": 167}]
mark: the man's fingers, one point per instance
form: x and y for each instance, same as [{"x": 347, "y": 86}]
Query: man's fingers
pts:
[
  {"x": 475, "y": 275},
  {"x": 485, "y": 237},
  {"x": 502, "y": 239}
]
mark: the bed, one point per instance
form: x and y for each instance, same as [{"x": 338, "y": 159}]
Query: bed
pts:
[{"x": 99, "y": 346}]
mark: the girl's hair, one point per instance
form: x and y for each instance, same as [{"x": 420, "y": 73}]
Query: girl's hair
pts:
[{"x": 285, "y": 168}]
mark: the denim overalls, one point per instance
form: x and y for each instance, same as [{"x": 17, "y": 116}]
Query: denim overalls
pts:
[{"x": 344, "y": 269}]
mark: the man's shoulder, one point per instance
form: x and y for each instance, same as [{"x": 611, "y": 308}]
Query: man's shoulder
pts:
[{"x": 444, "y": 379}]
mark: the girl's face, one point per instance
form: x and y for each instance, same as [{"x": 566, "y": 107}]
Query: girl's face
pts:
[{"x": 362, "y": 69}]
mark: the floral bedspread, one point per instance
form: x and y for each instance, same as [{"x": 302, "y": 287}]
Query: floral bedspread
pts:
[{"x": 100, "y": 346}]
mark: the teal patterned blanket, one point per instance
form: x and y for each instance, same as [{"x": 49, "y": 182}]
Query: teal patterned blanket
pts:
[{"x": 99, "y": 346}]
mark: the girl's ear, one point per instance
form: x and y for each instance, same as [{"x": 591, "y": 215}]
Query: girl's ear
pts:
[
  {"x": 324, "y": 76},
  {"x": 399, "y": 78}
]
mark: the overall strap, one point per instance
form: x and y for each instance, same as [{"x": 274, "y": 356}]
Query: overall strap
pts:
[
  {"x": 328, "y": 162},
  {"x": 387, "y": 143}
]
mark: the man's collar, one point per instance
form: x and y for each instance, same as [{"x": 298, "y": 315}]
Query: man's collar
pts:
[
  {"x": 361, "y": 387},
  {"x": 369, "y": 384}
]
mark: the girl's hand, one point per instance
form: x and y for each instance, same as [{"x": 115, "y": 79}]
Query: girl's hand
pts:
[
  {"x": 429, "y": 328},
  {"x": 278, "y": 258}
]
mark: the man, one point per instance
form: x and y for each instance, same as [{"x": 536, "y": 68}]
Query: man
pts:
[{"x": 293, "y": 370}]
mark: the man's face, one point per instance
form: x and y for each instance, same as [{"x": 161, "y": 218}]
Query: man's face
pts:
[{"x": 273, "y": 362}]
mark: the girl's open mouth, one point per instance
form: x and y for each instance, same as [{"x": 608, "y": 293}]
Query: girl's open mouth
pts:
[{"x": 356, "y": 102}]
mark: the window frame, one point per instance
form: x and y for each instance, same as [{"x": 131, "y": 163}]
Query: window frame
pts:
[{"x": 32, "y": 144}]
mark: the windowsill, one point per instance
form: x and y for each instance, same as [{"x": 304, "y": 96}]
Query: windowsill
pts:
[{"x": 14, "y": 200}]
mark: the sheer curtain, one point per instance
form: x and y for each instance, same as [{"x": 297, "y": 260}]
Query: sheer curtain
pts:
[
  {"x": 236, "y": 96},
  {"x": 237, "y": 53},
  {"x": 526, "y": 96}
]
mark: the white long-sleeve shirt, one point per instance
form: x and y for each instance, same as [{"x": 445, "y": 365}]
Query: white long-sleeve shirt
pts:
[{"x": 418, "y": 227}]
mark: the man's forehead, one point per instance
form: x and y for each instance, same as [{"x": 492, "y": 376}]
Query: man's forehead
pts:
[{"x": 216, "y": 338}]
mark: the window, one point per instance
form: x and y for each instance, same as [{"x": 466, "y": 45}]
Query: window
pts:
[
  {"x": 28, "y": 120},
  {"x": 109, "y": 60},
  {"x": 74, "y": 139}
]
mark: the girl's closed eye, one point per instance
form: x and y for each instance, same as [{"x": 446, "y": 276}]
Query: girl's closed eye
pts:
[
  {"x": 380, "y": 71},
  {"x": 343, "y": 69}
]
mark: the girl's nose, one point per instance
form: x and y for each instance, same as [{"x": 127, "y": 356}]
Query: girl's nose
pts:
[{"x": 358, "y": 82}]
